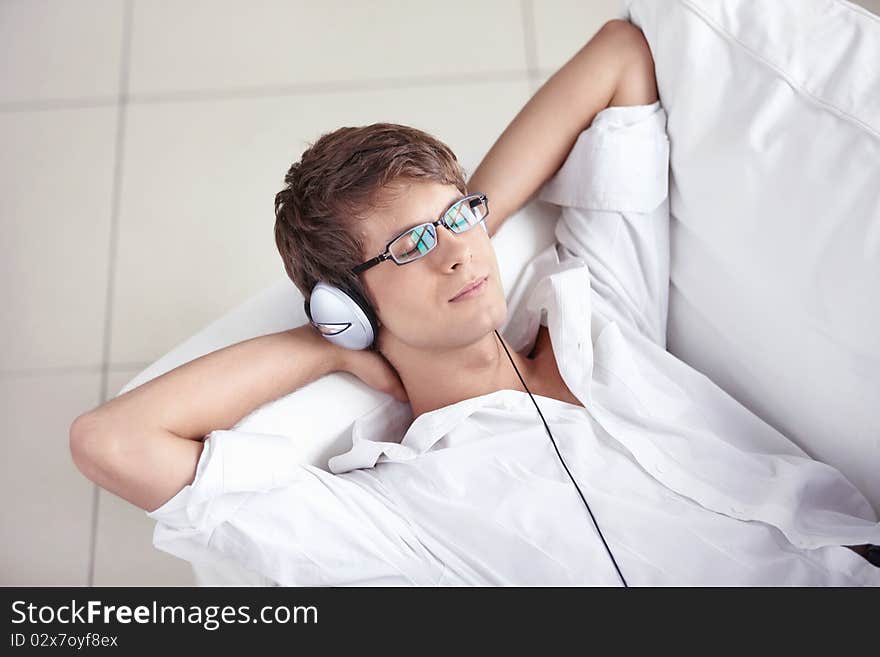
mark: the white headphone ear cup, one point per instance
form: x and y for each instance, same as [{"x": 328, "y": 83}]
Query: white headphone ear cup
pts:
[{"x": 339, "y": 318}]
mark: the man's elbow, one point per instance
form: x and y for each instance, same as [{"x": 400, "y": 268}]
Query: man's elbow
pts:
[
  {"x": 144, "y": 466},
  {"x": 90, "y": 446},
  {"x": 637, "y": 82},
  {"x": 625, "y": 35}
]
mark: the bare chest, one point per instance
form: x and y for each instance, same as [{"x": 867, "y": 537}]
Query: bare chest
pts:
[{"x": 548, "y": 381}]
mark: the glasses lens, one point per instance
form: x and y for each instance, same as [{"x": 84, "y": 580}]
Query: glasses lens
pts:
[
  {"x": 466, "y": 214},
  {"x": 414, "y": 244}
]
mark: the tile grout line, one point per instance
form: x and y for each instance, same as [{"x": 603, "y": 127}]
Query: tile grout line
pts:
[
  {"x": 116, "y": 194},
  {"x": 274, "y": 91},
  {"x": 332, "y": 86},
  {"x": 25, "y": 372},
  {"x": 530, "y": 42}
]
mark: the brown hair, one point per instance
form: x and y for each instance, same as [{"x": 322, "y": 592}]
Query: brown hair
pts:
[{"x": 340, "y": 178}]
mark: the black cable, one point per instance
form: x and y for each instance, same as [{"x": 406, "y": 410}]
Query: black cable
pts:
[{"x": 563, "y": 462}]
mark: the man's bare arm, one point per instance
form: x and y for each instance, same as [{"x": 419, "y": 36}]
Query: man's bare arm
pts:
[
  {"x": 614, "y": 68},
  {"x": 144, "y": 446}
]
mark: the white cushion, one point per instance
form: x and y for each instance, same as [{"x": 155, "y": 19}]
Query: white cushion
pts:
[{"x": 774, "y": 126}]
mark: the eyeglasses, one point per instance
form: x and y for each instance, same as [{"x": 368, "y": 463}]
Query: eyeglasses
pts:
[{"x": 417, "y": 242}]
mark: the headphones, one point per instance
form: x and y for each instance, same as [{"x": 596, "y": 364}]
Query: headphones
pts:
[{"x": 344, "y": 317}]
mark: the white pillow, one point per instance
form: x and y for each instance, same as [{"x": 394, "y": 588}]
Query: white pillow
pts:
[{"x": 774, "y": 126}]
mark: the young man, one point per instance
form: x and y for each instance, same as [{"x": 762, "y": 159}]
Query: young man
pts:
[{"x": 456, "y": 482}]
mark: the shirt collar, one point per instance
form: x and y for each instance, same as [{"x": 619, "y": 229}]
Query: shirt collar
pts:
[{"x": 562, "y": 289}]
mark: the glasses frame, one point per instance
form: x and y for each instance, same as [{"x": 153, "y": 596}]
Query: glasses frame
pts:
[{"x": 386, "y": 254}]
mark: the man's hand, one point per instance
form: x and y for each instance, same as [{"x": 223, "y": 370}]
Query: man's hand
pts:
[
  {"x": 370, "y": 367},
  {"x": 373, "y": 368}
]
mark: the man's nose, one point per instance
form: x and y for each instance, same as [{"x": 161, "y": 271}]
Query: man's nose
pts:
[{"x": 454, "y": 246}]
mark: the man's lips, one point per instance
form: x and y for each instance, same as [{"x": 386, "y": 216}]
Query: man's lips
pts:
[{"x": 470, "y": 287}]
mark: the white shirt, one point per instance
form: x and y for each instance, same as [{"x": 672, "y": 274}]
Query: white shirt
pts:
[{"x": 687, "y": 485}]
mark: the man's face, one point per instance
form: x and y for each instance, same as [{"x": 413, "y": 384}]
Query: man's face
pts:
[{"x": 412, "y": 301}]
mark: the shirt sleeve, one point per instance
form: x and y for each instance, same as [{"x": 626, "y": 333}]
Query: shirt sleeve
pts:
[
  {"x": 613, "y": 193},
  {"x": 255, "y": 503}
]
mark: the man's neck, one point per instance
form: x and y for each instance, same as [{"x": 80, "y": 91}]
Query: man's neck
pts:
[{"x": 434, "y": 380}]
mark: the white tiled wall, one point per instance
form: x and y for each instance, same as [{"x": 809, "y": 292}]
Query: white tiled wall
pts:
[{"x": 143, "y": 143}]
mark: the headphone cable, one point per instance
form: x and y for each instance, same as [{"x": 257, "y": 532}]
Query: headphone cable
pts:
[{"x": 596, "y": 524}]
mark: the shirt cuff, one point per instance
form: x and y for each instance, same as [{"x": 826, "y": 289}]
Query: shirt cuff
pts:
[
  {"x": 619, "y": 163},
  {"x": 233, "y": 465}
]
